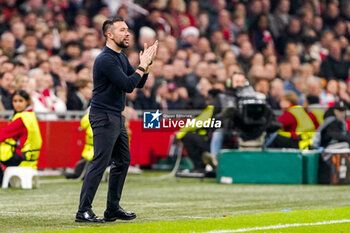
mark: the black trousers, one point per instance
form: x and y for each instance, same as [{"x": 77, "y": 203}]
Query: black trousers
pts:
[
  {"x": 15, "y": 160},
  {"x": 284, "y": 142},
  {"x": 111, "y": 142},
  {"x": 196, "y": 145}
]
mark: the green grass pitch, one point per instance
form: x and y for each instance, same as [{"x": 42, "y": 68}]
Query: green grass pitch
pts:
[{"x": 185, "y": 205}]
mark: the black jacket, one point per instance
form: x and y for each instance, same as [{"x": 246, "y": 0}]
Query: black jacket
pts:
[
  {"x": 331, "y": 68},
  {"x": 6, "y": 98},
  {"x": 113, "y": 75},
  {"x": 335, "y": 132}
]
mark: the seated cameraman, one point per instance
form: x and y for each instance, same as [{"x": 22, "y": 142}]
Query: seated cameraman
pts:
[
  {"x": 197, "y": 141},
  {"x": 298, "y": 128},
  {"x": 245, "y": 116},
  {"x": 221, "y": 102}
]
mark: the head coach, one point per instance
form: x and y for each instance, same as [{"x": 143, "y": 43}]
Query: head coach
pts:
[{"x": 113, "y": 76}]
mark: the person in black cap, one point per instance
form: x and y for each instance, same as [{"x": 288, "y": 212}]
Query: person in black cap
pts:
[{"x": 334, "y": 129}]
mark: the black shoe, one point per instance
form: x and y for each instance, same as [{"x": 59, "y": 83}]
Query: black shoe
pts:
[
  {"x": 88, "y": 216},
  {"x": 110, "y": 216}
]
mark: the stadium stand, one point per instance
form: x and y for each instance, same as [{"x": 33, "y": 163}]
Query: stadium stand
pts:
[{"x": 48, "y": 47}]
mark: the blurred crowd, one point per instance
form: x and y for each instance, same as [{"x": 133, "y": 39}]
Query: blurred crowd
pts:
[{"x": 47, "y": 47}]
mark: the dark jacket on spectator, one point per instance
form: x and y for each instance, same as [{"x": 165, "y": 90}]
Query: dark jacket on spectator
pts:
[
  {"x": 335, "y": 132},
  {"x": 331, "y": 68},
  {"x": 76, "y": 101},
  {"x": 274, "y": 104},
  {"x": 144, "y": 102},
  {"x": 6, "y": 98}
]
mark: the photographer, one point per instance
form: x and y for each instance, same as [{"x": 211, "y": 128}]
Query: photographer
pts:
[
  {"x": 196, "y": 140},
  {"x": 245, "y": 118},
  {"x": 222, "y": 103}
]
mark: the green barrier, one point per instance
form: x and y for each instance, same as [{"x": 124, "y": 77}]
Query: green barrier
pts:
[
  {"x": 268, "y": 167},
  {"x": 310, "y": 166}
]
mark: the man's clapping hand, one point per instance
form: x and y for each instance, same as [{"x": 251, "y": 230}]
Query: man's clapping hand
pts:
[{"x": 148, "y": 55}]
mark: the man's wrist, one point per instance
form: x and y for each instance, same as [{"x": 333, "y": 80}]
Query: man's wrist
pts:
[{"x": 141, "y": 68}]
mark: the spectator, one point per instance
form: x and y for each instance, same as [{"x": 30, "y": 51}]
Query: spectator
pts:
[
  {"x": 7, "y": 66},
  {"x": 259, "y": 31},
  {"x": 161, "y": 95},
  {"x": 90, "y": 41},
  {"x": 203, "y": 24},
  {"x": 314, "y": 86},
  {"x": 29, "y": 43},
  {"x": 285, "y": 72},
  {"x": 246, "y": 53},
  {"x": 168, "y": 72},
  {"x": 280, "y": 18},
  {"x": 343, "y": 93},
  {"x": 21, "y": 82},
  {"x": 201, "y": 70},
  {"x": 19, "y": 30},
  {"x": 80, "y": 99},
  {"x": 190, "y": 36},
  {"x": 163, "y": 54},
  {"x": 73, "y": 51},
  {"x": 203, "y": 46},
  {"x": 48, "y": 43},
  {"x": 275, "y": 94},
  {"x": 44, "y": 98},
  {"x": 225, "y": 25},
  {"x": 146, "y": 97},
  {"x": 321, "y": 48},
  {"x": 6, "y": 80},
  {"x": 270, "y": 71},
  {"x": 173, "y": 99},
  {"x": 8, "y": 44},
  {"x": 256, "y": 73},
  {"x": 153, "y": 20},
  {"x": 291, "y": 34},
  {"x": 147, "y": 35},
  {"x": 333, "y": 65},
  {"x": 228, "y": 59},
  {"x": 55, "y": 71},
  {"x": 330, "y": 15},
  {"x": 262, "y": 86},
  {"x": 171, "y": 44},
  {"x": 173, "y": 15},
  {"x": 329, "y": 96}
]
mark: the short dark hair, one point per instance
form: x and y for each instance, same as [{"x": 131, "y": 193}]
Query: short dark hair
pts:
[{"x": 109, "y": 22}]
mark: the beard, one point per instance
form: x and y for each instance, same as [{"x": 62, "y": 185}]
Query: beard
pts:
[{"x": 121, "y": 44}]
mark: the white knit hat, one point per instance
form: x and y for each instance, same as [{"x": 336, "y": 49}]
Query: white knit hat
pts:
[{"x": 190, "y": 31}]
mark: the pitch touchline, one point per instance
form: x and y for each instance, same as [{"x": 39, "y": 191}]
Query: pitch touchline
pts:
[{"x": 279, "y": 226}]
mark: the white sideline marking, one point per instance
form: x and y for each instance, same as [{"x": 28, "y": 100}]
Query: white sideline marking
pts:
[{"x": 280, "y": 226}]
